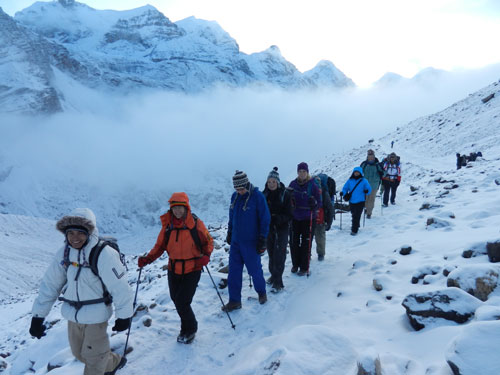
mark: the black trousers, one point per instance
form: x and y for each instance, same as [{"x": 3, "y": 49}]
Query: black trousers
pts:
[
  {"x": 390, "y": 186},
  {"x": 277, "y": 241},
  {"x": 356, "y": 212},
  {"x": 301, "y": 243},
  {"x": 182, "y": 289}
]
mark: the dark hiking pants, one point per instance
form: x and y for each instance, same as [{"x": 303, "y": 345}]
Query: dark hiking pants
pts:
[
  {"x": 276, "y": 248},
  {"x": 182, "y": 289},
  {"x": 390, "y": 186},
  {"x": 301, "y": 245},
  {"x": 356, "y": 212}
]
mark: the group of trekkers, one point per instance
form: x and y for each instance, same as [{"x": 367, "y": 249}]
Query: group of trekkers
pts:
[
  {"x": 462, "y": 160},
  {"x": 90, "y": 273}
]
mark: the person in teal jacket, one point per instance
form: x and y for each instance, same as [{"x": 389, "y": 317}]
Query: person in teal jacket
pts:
[
  {"x": 358, "y": 188},
  {"x": 373, "y": 172}
]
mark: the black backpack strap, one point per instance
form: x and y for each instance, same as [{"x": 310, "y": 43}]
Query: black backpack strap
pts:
[
  {"x": 93, "y": 258},
  {"x": 193, "y": 231}
]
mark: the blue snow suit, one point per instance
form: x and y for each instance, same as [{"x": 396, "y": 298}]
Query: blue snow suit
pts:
[
  {"x": 358, "y": 195},
  {"x": 249, "y": 219}
]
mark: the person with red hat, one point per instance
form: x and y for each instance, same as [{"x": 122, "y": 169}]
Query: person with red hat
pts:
[{"x": 189, "y": 245}]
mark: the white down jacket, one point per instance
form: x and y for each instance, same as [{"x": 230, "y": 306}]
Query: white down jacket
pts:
[{"x": 86, "y": 286}]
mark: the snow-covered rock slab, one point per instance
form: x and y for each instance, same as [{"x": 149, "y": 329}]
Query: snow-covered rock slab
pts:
[
  {"x": 475, "y": 350},
  {"x": 451, "y": 304},
  {"x": 477, "y": 280}
]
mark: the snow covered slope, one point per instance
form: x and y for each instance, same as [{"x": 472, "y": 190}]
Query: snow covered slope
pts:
[
  {"x": 327, "y": 323},
  {"x": 123, "y": 51}
]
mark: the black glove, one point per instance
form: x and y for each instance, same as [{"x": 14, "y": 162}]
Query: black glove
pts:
[
  {"x": 311, "y": 202},
  {"x": 121, "y": 324},
  {"x": 365, "y": 191},
  {"x": 328, "y": 227},
  {"x": 261, "y": 245},
  {"x": 228, "y": 237},
  {"x": 37, "y": 328}
]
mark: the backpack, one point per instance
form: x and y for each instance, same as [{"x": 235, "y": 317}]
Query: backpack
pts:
[
  {"x": 326, "y": 184},
  {"x": 194, "y": 233},
  {"x": 92, "y": 264}
]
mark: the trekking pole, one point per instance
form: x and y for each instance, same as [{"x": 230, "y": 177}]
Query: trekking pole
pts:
[
  {"x": 133, "y": 308},
  {"x": 310, "y": 244},
  {"x": 221, "y": 301},
  {"x": 364, "y": 213},
  {"x": 341, "y": 208}
]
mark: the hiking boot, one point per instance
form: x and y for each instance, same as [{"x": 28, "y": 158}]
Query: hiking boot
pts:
[
  {"x": 231, "y": 305},
  {"x": 393, "y": 203},
  {"x": 122, "y": 363},
  {"x": 385, "y": 205},
  {"x": 277, "y": 288},
  {"x": 301, "y": 273},
  {"x": 262, "y": 298},
  {"x": 321, "y": 258},
  {"x": 295, "y": 269},
  {"x": 368, "y": 216},
  {"x": 186, "y": 338},
  {"x": 354, "y": 233},
  {"x": 269, "y": 280}
]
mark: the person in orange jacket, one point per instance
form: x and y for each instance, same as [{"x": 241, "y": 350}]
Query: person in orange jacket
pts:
[{"x": 189, "y": 245}]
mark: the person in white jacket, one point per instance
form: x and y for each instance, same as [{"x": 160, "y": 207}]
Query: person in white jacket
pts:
[{"x": 86, "y": 300}]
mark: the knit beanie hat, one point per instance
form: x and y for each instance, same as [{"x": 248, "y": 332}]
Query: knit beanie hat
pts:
[
  {"x": 370, "y": 152},
  {"x": 240, "y": 180},
  {"x": 274, "y": 174},
  {"x": 303, "y": 166}
]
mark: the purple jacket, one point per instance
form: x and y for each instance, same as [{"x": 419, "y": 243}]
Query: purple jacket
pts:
[{"x": 300, "y": 197}]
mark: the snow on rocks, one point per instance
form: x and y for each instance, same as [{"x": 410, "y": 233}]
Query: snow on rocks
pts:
[
  {"x": 477, "y": 280},
  {"x": 476, "y": 346},
  {"x": 451, "y": 304}
]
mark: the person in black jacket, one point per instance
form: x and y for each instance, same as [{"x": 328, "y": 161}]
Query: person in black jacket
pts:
[{"x": 279, "y": 202}]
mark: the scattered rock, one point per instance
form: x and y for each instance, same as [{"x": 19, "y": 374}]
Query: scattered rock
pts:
[
  {"x": 428, "y": 206},
  {"x": 405, "y": 250},
  {"x": 147, "y": 322},
  {"x": 422, "y": 272},
  {"x": 439, "y": 180},
  {"x": 164, "y": 267},
  {"x": 467, "y": 254},
  {"x": 447, "y": 270},
  {"x": 497, "y": 181},
  {"x": 454, "y": 186},
  {"x": 433, "y": 222},
  {"x": 224, "y": 269},
  {"x": 488, "y": 98},
  {"x": 51, "y": 367},
  {"x": 476, "y": 343},
  {"x": 477, "y": 280},
  {"x": 3, "y": 366},
  {"x": 377, "y": 285},
  {"x": 413, "y": 188},
  {"x": 451, "y": 304},
  {"x": 493, "y": 250},
  {"x": 153, "y": 305},
  {"x": 369, "y": 364}
]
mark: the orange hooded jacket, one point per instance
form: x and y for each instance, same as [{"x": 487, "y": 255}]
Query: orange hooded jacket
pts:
[{"x": 181, "y": 249}]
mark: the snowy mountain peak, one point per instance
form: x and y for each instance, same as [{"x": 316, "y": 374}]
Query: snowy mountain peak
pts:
[
  {"x": 67, "y": 3},
  {"x": 325, "y": 73}
]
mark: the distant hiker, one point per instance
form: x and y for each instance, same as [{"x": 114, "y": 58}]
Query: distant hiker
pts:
[
  {"x": 188, "y": 244},
  {"x": 354, "y": 191},
  {"x": 479, "y": 154},
  {"x": 459, "y": 161},
  {"x": 279, "y": 202},
  {"x": 306, "y": 200},
  {"x": 248, "y": 227},
  {"x": 373, "y": 172},
  {"x": 87, "y": 297},
  {"x": 324, "y": 218},
  {"x": 392, "y": 144},
  {"x": 391, "y": 178}
]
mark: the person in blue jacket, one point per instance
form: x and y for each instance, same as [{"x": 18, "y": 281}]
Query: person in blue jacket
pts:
[
  {"x": 358, "y": 188},
  {"x": 248, "y": 227}
]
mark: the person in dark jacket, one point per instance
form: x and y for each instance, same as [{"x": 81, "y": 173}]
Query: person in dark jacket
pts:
[
  {"x": 358, "y": 188},
  {"x": 391, "y": 178},
  {"x": 373, "y": 172},
  {"x": 324, "y": 218},
  {"x": 306, "y": 200},
  {"x": 279, "y": 202},
  {"x": 248, "y": 227},
  {"x": 459, "y": 161}
]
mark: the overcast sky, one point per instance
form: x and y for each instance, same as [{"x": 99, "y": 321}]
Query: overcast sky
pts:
[{"x": 363, "y": 38}]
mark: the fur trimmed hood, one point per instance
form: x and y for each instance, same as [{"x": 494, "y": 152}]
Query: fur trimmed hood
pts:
[{"x": 83, "y": 217}]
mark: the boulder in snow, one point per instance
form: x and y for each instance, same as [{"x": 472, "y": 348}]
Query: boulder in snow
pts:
[
  {"x": 493, "y": 249},
  {"x": 477, "y": 280},
  {"x": 451, "y": 304},
  {"x": 475, "y": 350}
]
